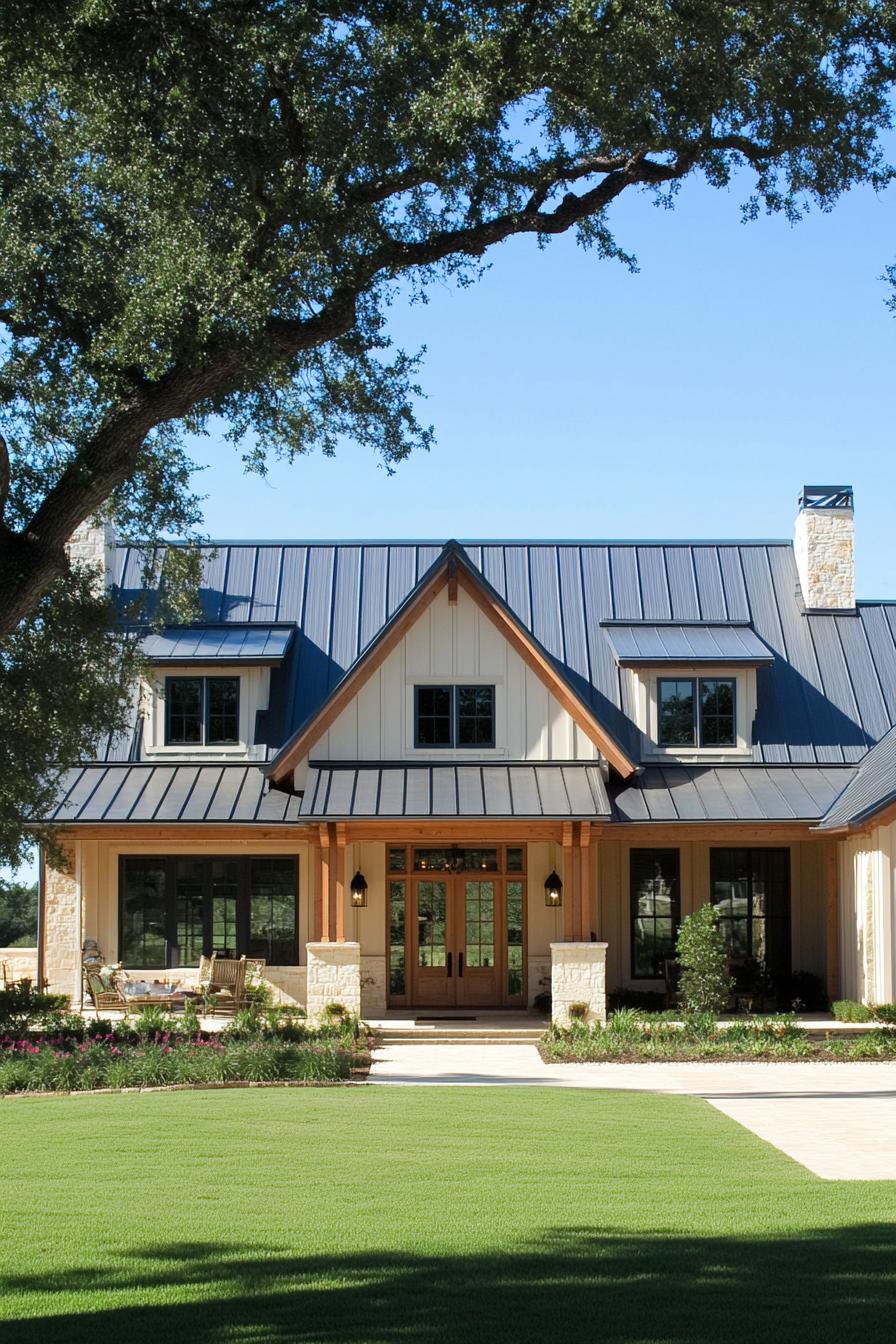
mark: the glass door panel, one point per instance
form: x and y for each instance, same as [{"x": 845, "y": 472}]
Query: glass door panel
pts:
[
  {"x": 477, "y": 971},
  {"x": 433, "y": 960},
  {"x": 225, "y": 889}
]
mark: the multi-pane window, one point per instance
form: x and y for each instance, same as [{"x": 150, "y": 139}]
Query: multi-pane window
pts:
[
  {"x": 171, "y": 910},
  {"x": 696, "y": 712},
  {"x": 751, "y": 893},
  {"x": 202, "y": 711},
  {"x": 655, "y": 910},
  {"x": 454, "y": 716}
]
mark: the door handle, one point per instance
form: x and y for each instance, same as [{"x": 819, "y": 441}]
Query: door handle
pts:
[
  {"x": 448, "y": 962},
  {"x": 460, "y": 964}
]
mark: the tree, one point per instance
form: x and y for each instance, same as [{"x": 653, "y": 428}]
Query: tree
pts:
[
  {"x": 705, "y": 982},
  {"x": 18, "y": 914},
  {"x": 208, "y": 206}
]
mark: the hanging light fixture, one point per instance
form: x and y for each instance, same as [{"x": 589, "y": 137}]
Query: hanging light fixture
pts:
[
  {"x": 553, "y": 890},
  {"x": 358, "y": 890}
]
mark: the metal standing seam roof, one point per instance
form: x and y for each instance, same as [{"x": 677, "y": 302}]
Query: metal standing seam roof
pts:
[
  {"x": 692, "y": 643},
  {"x": 728, "y": 793},
  {"x": 829, "y": 695},
  {"x": 228, "y": 794},
  {"x": 255, "y": 644},
  {"x": 872, "y": 787},
  {"x": 525, "y": 790}
]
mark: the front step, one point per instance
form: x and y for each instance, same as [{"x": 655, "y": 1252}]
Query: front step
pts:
[{"x": 458, "y": 1036}]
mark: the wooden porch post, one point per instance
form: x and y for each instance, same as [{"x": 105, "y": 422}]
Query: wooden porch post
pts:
[
  {"x": 832, "y": 918},
  {"x": 339, "y": 882},
  {"x": 584, "y": 881},
  {"x": 571, "y": 877},
  {"x": 323, "y": 893}
]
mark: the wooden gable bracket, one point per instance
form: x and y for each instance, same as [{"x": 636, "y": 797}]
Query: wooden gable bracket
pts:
[{"x": 452, "y": 581}]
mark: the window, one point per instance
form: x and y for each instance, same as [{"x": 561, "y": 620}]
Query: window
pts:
[
  {"x": 655, "y": 910},
  {"x": 696, "y": 712},
  {"x": 202, "y": 711},
  {"x": 454, "y": 716},
  {"x": 751, "y": 893},
  {"x": 171, "y": 910}
]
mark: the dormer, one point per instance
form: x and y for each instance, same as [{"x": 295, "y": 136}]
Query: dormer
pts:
[
  {"x": 690, "y": 687},
  {"x": 206, "y": 687}
]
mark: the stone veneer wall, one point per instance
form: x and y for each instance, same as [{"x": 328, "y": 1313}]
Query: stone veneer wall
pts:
[
  {"x": 62, "y": 932},
  {"x": 334, "y": 976},
  {"x": 824, "y": 546},
  {"x": 21, "y": 961},
  {"x": 373, "y": 986},
  {"x": 93, "y": 545},
  {"x": 578, "y": 975}
]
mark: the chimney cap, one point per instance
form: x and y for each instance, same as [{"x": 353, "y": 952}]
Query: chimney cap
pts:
[{"x": 826, "y": 497}]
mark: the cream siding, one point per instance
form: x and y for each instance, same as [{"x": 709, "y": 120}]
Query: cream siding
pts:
[
  {"x": 453, "y": 643},
  {"x": 867, "y": 922}
]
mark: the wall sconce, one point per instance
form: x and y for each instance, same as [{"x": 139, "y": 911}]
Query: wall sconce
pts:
[
  {"x": 358, "y": 890},
  {"x": 553, "y": 891}
]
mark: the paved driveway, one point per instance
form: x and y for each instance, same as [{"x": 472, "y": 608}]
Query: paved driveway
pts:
[{"x": 838, "y": 1120}]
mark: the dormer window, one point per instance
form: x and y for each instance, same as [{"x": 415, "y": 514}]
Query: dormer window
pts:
[
  {"x": 697, "y": 711},
  {"x": 202, "y": 711}
]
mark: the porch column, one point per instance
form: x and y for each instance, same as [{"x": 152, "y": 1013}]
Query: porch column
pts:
[
  {"x": 584, "y": 930},
  {"x": 571, "y": 876},
  {"x": 332, "y": 882},
  {"x": 334, "y": 976},
  {"x": 832, "y": 919},
  {"x": 62, "y": 930},
  {"x": 578, "y": 975}
]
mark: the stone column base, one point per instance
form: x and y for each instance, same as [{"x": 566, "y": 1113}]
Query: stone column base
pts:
[
  {"x": 578, "y": 975},
  {"x": 334, "y": 976}
]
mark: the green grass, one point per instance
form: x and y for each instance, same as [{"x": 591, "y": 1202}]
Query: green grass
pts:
[{"x": 423, "y": 1216}]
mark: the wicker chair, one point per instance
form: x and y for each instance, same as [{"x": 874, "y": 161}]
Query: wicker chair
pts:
[{"x": 102, "y": 996}]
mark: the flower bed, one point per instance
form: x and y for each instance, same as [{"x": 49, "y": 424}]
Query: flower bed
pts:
[
  {"x": 632, "y": 1037},
  {"x": 157, "y": 1051}
]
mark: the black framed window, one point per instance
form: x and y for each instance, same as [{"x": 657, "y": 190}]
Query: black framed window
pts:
[
  {"x": 174, "y": 909},
  {"x": 751, "y": 893},
  {"x": 655, "y": 910},
  {"x": 202, "y": 711},
  {"x": 454, "y": 716},
  {"x": 697, "y": 711}
]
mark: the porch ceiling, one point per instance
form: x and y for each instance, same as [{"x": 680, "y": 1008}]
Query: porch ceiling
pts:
[{"x": 335, "y": 792}]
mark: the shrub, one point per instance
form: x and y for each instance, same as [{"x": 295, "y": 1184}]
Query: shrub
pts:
[
  {"x": 705, "y": 983},
  {"x": 884, "y": 1012},
  {"x": 849, "y": 1010},
  {"x": 578, "y": 1011},
  {"x": 151, "y": 1022},
  {"x": 625, "y": 1022},
  {"x": 22, "y": 1006}
]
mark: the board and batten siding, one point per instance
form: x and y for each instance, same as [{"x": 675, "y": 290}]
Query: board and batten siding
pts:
[
  {"x": 867, "y": 923},
  {"x": 451, "y": 644}
]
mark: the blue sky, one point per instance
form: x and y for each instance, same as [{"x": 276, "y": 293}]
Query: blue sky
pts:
[{"x": 571, "y": 398}]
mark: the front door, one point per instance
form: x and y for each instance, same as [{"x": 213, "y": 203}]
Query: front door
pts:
[{"x": 466, "y": 941}]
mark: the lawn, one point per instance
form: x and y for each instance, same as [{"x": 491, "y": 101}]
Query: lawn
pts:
[{"x": 427, "y": 1214}]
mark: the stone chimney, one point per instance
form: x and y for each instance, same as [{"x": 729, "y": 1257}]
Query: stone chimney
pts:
[
  {"x": 93, "y": 545},
  {"x": 824, "y": 547}
]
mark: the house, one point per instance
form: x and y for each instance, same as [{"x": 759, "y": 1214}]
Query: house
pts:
[{"x": 423, "y": 776}]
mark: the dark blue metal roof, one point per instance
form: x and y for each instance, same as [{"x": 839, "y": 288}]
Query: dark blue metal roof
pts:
[
  {"x": 829, "y": 695},
  {"x": 231, "y": 794},
  {"x": 650, "y": 644},
  {"x": 689, "y": 793},
  {"x": 872, "y": 788},
  {"x": 524, "y": 790},
  {"x": 244, "y": 644}
]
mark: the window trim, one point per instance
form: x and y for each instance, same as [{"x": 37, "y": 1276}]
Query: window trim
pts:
[
  {"x": 244, "y": 863},
  {"x": 697, "y": 744},
  {"x": 205, "y": 712},
  {"x": 454, "y": 689},
  {"x": 632, "y": 913}
]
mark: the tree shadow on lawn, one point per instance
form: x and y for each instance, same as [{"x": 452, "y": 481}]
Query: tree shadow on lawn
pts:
[{"x": 582, "y": 1284}]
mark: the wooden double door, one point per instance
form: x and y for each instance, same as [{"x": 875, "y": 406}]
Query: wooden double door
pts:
[{"x": 466, "y": 941}]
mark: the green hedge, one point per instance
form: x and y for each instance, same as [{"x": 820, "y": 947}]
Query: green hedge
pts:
[{"x": 630, "y": 1035}]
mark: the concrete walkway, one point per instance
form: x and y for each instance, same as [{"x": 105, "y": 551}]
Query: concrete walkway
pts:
[{"x": 838, "y": 1120}]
